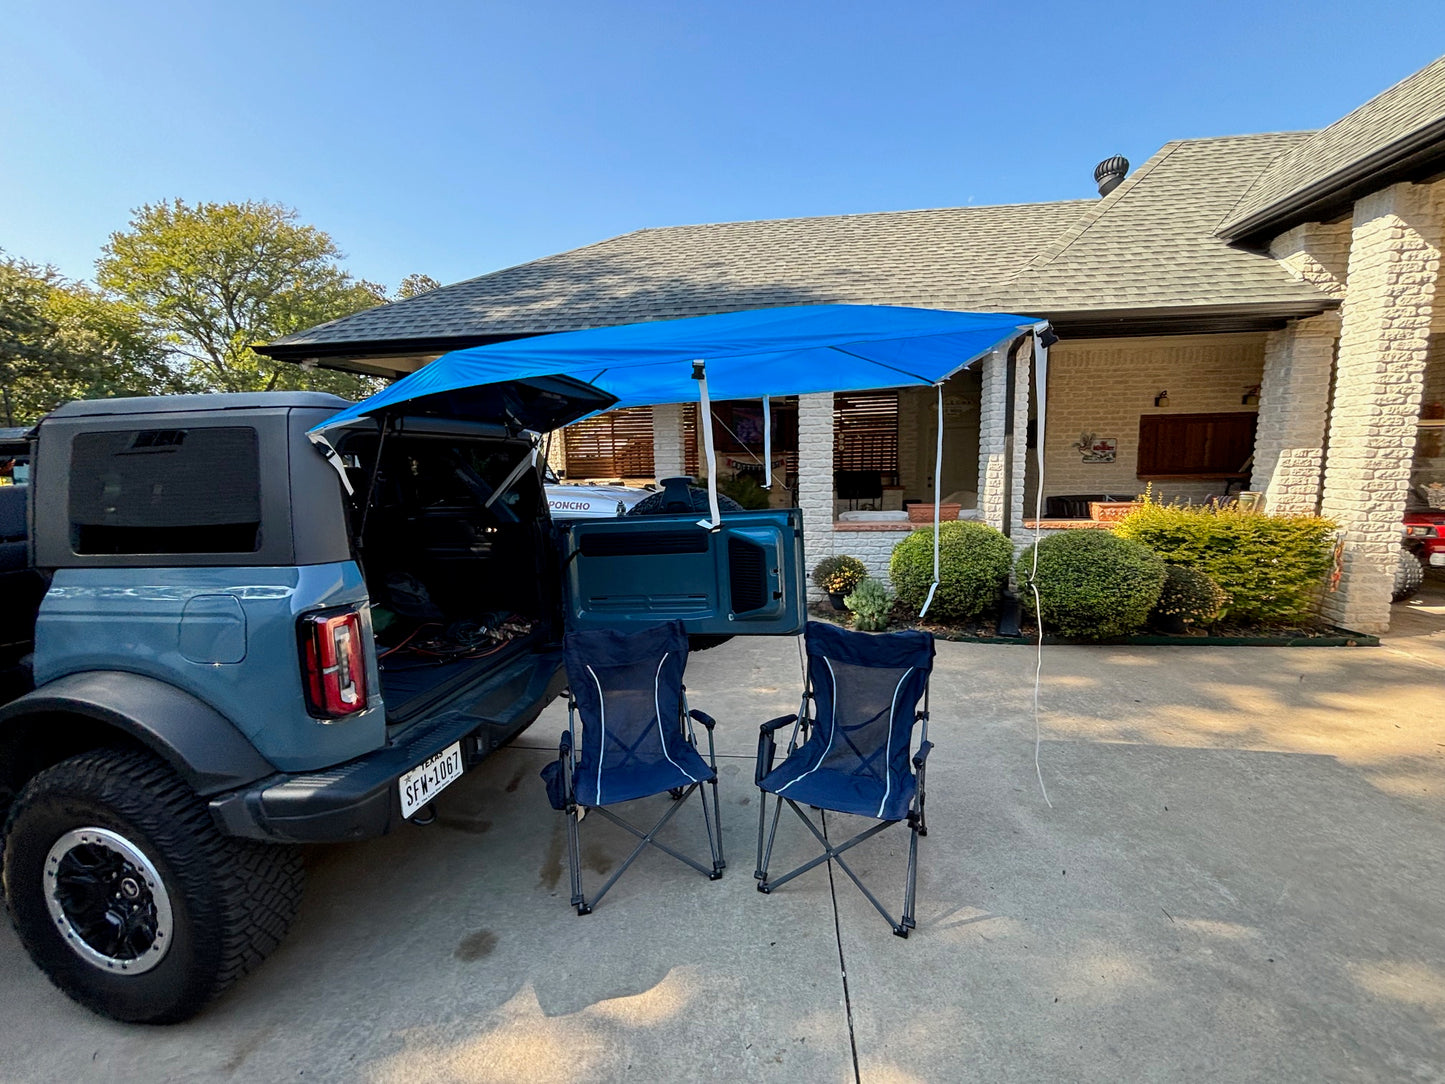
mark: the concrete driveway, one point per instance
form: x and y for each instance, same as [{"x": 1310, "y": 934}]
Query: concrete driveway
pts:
[{"x": 1240, "y": 879}]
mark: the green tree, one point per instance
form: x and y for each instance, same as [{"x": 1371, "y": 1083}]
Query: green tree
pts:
[
  {"x": 416, "y": 284},
  {"x": 216, "y": 279},
  {"x": 62, "y": 340}
]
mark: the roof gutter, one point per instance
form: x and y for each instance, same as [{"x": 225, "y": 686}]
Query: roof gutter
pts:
[{"x": 1416, "y": 156}]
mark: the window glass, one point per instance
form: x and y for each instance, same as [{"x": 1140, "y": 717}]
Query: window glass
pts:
[{"x": 166, "y": 491}]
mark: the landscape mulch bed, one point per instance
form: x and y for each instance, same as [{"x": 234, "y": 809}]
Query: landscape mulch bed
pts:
[{"x": 1225, "y": 635}]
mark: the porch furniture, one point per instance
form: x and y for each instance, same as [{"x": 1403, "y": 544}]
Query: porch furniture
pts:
[
  {"x": 859, "y": 485},
  {"x": 864, "y": 689},
  {"x": 637, "y": 740}
]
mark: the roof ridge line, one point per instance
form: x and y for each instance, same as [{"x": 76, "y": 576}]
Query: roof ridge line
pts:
[{"x": 1067, "y": 239}]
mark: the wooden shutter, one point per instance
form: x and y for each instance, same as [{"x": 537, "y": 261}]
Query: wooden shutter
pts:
[
  {"x": 865, "y": 432},
  {"x": 617, "y": 444},
  {"x": 1195, "y": 446}
]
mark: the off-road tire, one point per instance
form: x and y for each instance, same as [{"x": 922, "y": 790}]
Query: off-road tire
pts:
[
  {"x": 232, "y": 900},
  {"x": 656, "y": 505},
  {"x": 1409, "y": 576}
]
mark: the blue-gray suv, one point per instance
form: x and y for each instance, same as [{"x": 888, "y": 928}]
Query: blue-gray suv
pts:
[{"x": 217, "y": 644}]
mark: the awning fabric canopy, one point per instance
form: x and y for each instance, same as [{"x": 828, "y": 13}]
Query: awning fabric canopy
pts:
[{"x": 791, "y": 350}]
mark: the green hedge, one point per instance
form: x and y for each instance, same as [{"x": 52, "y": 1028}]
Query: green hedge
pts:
[
  {"x": 973, "y": 570},
  {"x": 1091, "y": 584},
  {"x": 1273, "y": 568}
]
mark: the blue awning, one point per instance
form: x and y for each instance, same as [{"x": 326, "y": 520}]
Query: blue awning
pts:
[{"x": 791, "y": 350}]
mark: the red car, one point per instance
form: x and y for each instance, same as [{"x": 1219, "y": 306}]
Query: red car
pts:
[{"x": 1425, "y": 536}]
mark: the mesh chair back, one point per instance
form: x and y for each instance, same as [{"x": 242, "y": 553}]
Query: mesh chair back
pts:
[
  {"x": 628, "y": 688},
  {"x": 866, "y": 687}
]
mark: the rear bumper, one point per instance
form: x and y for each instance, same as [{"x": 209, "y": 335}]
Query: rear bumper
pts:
[{"x": 359, "y": 799}]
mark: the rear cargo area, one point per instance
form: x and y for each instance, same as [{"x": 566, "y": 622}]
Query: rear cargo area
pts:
[{"x": 457, "y": 556}]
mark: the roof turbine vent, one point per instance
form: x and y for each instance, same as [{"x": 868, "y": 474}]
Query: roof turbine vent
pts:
[{"x": 1109, "y": 172}]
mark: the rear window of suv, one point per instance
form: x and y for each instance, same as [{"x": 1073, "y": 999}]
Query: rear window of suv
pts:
[{"x": 166, "y": 491}]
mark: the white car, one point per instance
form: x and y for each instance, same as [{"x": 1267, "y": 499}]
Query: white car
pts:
[{"x": 566, "y": 501}]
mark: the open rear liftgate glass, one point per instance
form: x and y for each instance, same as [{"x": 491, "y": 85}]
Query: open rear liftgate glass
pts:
[{"x": 744, "y": 577}]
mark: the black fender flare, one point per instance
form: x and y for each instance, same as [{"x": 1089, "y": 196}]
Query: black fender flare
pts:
[{"x": 201, "y": 744}]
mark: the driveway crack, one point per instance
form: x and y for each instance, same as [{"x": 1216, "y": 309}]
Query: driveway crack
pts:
[{"x": 842, "y": 963}]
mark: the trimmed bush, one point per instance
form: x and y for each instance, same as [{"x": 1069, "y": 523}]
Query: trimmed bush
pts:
[
  {"x": 1189, "y": 595},
  {"x": 746, "y": 490},
  {"x": 839, "y": 574},
  {"x": 870, "y": 603},
  {"x": 1092, "y": 584},
  {"x": 973, "y": 569},
  {"x": 1271, "y": 567}
]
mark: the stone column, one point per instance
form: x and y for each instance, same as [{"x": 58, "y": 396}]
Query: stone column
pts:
[
  {"x": 668, "y": 443},
  {"x": 1294, "y": 402},
  {"x": 993, "y": 454},
  {"x": 815, "y": 478},
  {"x": 1385, "y": 324},
  {"x": 557, "y": 452}
]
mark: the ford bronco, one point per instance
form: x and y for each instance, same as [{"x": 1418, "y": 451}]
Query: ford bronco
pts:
[{"x": 217, "y": 645}]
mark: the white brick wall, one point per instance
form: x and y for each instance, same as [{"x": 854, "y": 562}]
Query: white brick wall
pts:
[
  {"x": 815, "y": 478},
  {"x": 1317, "y": 253},
  {"x": 557, "y": 451},
  {"x": 1293, "y": 412},
  {"x": 1384, "y": 341},
  {"x": 992, "y": 450},
  {"x": 873, "y": 548},
  {"x": 1103, "y": 386},
  {"x": 667, "y": 440}
]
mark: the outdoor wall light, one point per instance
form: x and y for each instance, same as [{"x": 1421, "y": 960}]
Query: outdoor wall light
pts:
[
  {"x": 1162, "y": 399},
  {"x": 1251, "y": 396}
]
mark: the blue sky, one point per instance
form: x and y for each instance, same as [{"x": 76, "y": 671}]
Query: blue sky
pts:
[{"x": 457, "y": 138}]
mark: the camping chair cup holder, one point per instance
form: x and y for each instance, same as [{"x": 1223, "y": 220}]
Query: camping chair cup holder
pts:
[
  {"x": 638, "y": 739},
  {"x": 854, "y": 757}
]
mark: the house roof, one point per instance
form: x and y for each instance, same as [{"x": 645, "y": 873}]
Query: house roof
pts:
[
  {"x": 1144, "y": 257},
  {"x": 1150, "y": 244},
  {"x": 1396, "y": 133},
  {"x": 947, "y": 258}
]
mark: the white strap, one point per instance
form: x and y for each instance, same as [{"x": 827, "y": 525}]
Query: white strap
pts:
[
  {"x": 699, "y": 370},
  {"x": 937, "y": 500}
]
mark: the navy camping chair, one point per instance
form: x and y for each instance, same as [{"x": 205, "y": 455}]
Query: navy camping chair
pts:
[
  {"x": 637, "y": 739},
  {"x": 864, "y": 690}
]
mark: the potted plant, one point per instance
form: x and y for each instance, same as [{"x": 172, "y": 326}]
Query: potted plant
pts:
[{"x": 837, "y": 576}]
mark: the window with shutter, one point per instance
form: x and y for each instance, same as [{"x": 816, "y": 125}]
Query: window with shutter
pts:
[
  {"x": 617, "y": 444},
  {"x": 865, "y": 432}
]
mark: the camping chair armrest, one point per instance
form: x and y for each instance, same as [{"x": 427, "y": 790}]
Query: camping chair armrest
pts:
[
  {"x": 921, "y": 756},
  {"x": 564, "y": 745},
  {"x": 704, "y": 718},
  {"x": 774, "y": 725}
]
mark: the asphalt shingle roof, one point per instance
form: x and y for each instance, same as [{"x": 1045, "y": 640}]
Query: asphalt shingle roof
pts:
[
  {"x": 1149, "y": 245},
  {"x": 946, "y": 258},
  {"x": 1410, "y": 107}
]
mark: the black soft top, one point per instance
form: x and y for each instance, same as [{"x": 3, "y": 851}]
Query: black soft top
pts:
[{"x": 178, "y": 404}]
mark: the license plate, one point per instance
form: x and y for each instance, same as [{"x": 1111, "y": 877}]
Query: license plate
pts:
[{"x": 430, "y": 778}]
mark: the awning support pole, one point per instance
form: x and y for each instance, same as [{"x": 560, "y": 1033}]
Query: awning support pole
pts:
[
  {"x": 937, "y": 500},
  {"x": 704, "y": 421},
  {"x": 767, "y": 443}
]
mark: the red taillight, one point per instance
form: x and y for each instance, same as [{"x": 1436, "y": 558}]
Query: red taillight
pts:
[{"x": 333, "y": 664}]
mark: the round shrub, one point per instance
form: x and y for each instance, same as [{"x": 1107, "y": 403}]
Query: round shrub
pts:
[
  {"x": 972, "y": 570},
  {"x": 839, "y": 574},
  {"x": 1092, "y": 584},
  {"x": 1189, "y": 595},
  {"x": 870, "y": 603}
]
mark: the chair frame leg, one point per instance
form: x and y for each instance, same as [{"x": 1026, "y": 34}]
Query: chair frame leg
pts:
[
  {"x": 645, "y": 839},
  {"x": 900, "y": 926}
]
